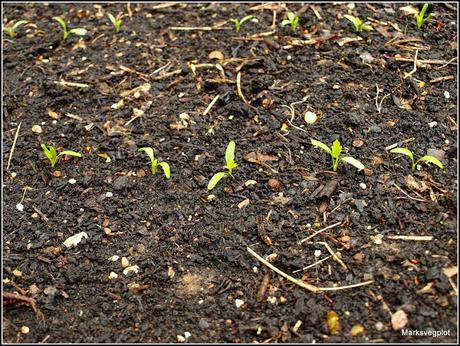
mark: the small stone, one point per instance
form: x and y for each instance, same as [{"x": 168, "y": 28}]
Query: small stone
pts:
[
  {"x": 124, "y": 262},
  {"x": 310, "y": 117},
  {"x": 317, "y": 253},
  {"x": 72, "y": 181},
  {"x": 367, "y": 172},
  {"x": 446, "y": 94},
  {"x": 20, "y": 207},
  {"x": 375, "y": 129},
  {"x": 37, "y": 129},
  {"x": 187, "y": 335},
  {"x": 356, "y": 330},
  {"x": 203, "y": 324},
  {"x": 180, "y": 338},
  {"x": 399, "y": 320},
  {"x": 17, "y": 273},
  {"x": 363, "y": 186},
  {"x": 211, "y": 197},
  {"x": 112, "y": 275},
  {"x": 274, "y": 184},
  {"x": 271, "y": 299},
  {"x": 114, "y": 258},
  {"x": 433, "y": 124},
  {"x": 359, "y": 257},
  {"x": 358, "y": 143},
  {"x": 25, "y": 330},
  {"x": 250, "y": 182},
  {"x": 108, "y": 194},
  {"x": 239, "y": 303},
  {"x": 128, "y": 270},
  {"x": 379, "y": 326},
  {"x": 244, "y": 203}
]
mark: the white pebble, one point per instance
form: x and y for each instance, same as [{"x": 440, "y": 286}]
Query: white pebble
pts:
[
  {"x": 446, "y": 94},
  {"x": 37, "y": 129},
  {"x": 433, "y": 124},
  {"x": 72, "y": 181},
  {"x": 187, "y": 335},
  {"x": 239, "y": 302},
  {"x": 20, "y": 207},
  {"x": 255, "y": 269},
  {"x": 363, "y": 186},
  {"x": 108, "y": 194},
  {"x": 317, "y": 253}
]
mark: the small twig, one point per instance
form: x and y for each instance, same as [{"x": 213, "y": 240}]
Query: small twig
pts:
[
  {"x": 211, "y": 104},
  {"x": 238, "y": 87},
  {"x": 415, "y": 66},
  {"x": 446, "y": 64},
  {"x": 39, "y": 212},
  {"x": 334, "y": 254},
  {"x": 283, "y": 274},
  {"x": 410, "y": 197},
  {"x": 302, "y": 283},
  {"x": 14, "y": 145},
  {"x": 273, "y": 27},
  {"x": 167, "y": 75},
  {"x": 321, "y": 230},
  {"x": 158, "y": 70},
  {"x": 442, "y": 79},
  {"x": 394, "y": 145},
  {"x": 312, "y": 265},
  {"x": 377, "y": 104},
  {"x": 432, "y": 62},
  {"x": 410, "y": 237}
]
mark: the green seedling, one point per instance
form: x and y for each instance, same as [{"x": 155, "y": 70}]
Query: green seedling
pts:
[
  {"x": 53, "y": 156},
  {"x": 116, "y": 22},
  {"x": 11, "y": 29},
  {"x": 155, "y": 163},
  {"x": 238, "y": 22},
  {"x": 231, "y": 164},
  {"x": 426, "y": 158},
  {"x": 421, "y": 19},
  {"x": 335, "y": 152},
  {"x": 293, "y": 21},
  {"x": 66, "y": 31},
  {"x": 358, "y": 23}
]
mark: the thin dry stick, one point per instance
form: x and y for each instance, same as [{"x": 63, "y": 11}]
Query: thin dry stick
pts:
[
  {"x": 273, "y": 27},
  {"x": 167, "y": 75},
  {"x": 334, "y": 254},
  {"x": 211, "y": 104},
  {"x": 14, "y": 145},
  {"x": 415, "y": 66},
  {"x": 377, "y": 104},
  {"x": 283, "y": 274},
  {"x": 410, "y": 197},
  {"x": 311, "y": 265},
  {"x": 301, "y": 283},
  {"x": 426, "y": 62},
  {"x": 321, "y": 230},
  {"x": 446, "y": 64},
  {"x": 410, "y": 237},
  {"x": 394, "y": 145},
  {"x": 238, "y": 87}
]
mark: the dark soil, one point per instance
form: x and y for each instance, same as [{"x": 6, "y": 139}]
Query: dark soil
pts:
[{"x": 190, "y": 248}]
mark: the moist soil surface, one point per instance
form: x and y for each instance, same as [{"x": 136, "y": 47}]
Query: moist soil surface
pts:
[{"x": 151, "y": 84}]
